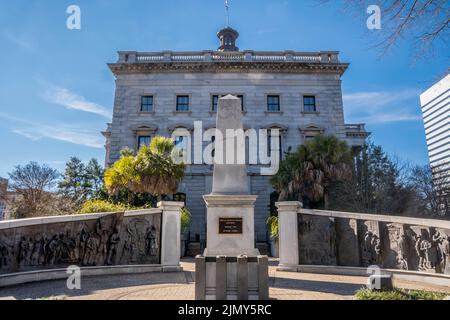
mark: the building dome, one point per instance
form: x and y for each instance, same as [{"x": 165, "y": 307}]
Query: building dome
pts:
[{"x": 228, "y": 37}]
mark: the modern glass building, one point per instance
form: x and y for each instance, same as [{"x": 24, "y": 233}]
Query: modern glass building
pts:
[{"x": 436, "y": 117}]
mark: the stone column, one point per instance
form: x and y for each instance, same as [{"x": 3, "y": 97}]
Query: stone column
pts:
[
  {"x": 170, "y": 232},
  {"x": 288, "y": 234}
]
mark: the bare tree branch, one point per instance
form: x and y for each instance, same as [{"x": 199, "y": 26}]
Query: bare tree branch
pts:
[{"x": 422, "y": 21}]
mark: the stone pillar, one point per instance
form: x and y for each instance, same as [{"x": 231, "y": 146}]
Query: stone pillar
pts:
[
  {"x": 208, "y": 55},
  {"x": 289, "y": 55},
  {"x": 242, "y": 277},
  {"x": 248, "y": 55},
  {"x": 200, "y": 278},
  {"x": 170, "y": 232},
  {"x": 167, "y": 56},
  {"x": 288, "y": 234}
]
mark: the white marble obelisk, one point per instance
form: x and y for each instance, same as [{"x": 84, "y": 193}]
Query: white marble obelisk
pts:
[
  {"x": 230, "y": 176},
  {"x": 230, "y": 197},
  {"x": 231, "y": 267}
]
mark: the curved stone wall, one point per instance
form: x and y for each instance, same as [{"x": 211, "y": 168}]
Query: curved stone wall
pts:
[
  {"x": 406, "y": 245},
  {"x": 358, "y": 240},
  {"x": 107, "y": 239}
]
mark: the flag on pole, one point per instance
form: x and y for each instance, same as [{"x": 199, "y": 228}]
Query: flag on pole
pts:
[{"x": 227, "y": 8}]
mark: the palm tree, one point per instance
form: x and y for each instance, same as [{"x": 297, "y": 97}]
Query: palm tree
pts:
[
  {"x": 308, "y": 172},
  {"x": 158, "y": 173},
  {"x": 122, "y": 176},
  {"x": 153, "y": 170}
]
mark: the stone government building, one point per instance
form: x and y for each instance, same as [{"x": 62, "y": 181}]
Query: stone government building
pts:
[{"x": 156, "y": 93}]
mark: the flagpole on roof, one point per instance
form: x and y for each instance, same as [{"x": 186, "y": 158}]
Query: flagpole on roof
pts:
[{"x": 227, "y": 8}]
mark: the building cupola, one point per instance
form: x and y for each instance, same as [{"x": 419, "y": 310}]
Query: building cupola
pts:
[{"x": 228, "y": 37}]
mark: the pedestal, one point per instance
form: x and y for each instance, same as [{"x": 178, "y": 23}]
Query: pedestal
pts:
[
  {"x": 231, "y": 268},
  {"x": 231, "y": 278},
  {"x": 288, "y": 234},
  {"x": 232, "y": 242}
]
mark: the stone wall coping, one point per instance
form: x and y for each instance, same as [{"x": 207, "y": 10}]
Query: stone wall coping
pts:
[
  {"x": 434, "y": 223},
  {"x": 70, "y": 218},
  {"x": 288, "y": 206},
  {"x": 170, "y": 205},
  {"x": 229, "y": 200},
  {"x": 134, "y": 213}
]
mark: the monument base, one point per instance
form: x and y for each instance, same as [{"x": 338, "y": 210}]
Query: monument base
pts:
[{"x": 231, "y": 277}]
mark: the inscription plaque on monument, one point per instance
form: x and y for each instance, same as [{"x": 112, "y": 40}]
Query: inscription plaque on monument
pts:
[{"x": 230, "y": 225}]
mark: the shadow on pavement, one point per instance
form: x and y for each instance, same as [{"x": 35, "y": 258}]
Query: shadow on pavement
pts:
[{"x": 90, "y": 285}]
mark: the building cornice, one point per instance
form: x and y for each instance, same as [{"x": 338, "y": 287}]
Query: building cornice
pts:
[{"x": 228, "y": 67}]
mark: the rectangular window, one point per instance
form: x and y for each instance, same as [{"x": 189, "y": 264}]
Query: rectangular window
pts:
[
  {"x": 273, "y": 103},
  {"x": 182, "y": 103},
  {"x": 144, "y": 141},
  {"x": 242, "y": 101},
  {"x": 309, "y": 104},
  {"x": 213, "y": 141},
  {"x": 215, "y": 102},
  {"x": 147, "y": 104}
]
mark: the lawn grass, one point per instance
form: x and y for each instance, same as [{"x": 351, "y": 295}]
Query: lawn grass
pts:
[{"x": 398, "y": 294}]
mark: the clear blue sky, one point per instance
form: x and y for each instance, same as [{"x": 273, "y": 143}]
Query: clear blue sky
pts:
[{"x": 56, "y": 92}]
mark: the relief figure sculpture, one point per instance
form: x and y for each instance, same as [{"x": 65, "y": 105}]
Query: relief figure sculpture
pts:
[
  {"x": 113, "y": 246},
  {"x": 151, "y": 244}
]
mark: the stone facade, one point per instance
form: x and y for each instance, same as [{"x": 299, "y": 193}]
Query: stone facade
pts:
[{"x": 200, "y": 76}]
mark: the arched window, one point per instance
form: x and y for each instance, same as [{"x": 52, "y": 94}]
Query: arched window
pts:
[{"x": 181, "y": 135}]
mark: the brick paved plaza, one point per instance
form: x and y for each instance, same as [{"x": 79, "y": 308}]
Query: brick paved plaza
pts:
[{"x": 180, "y": 286}]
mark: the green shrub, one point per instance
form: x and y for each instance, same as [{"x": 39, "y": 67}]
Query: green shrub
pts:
[
  {"x": 185, "y": 219},
  {"x": 272, "y": 224},
  {"x": 398, "y": 294},
  {"x": 98, "y": 206}
]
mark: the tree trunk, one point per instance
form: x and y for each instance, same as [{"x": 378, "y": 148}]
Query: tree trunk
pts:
[
  {"x": 130, "y": 198},
  {"x": 326, "y": 201}
]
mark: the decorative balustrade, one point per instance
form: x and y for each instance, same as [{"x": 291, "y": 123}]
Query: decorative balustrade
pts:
[
  {"x": 270, "y": 58},
  {"x": 217, "y": 56},
  {"x": 308, "y": 59},
  {"x": 227, "y": 57},
  {"x": 356, "y": 131},
  {"x": 355, "y": 127},
  {"x": 149, "y": 58}
]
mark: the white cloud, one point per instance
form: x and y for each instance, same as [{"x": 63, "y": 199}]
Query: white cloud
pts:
[
  {"x": 383, "y": 106},
  {"x": 69, "y": 100},
  {"x": 18, "y": 41},
  {"x": 61, "y": 132},
  {"x": 66, "y": 134}
]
